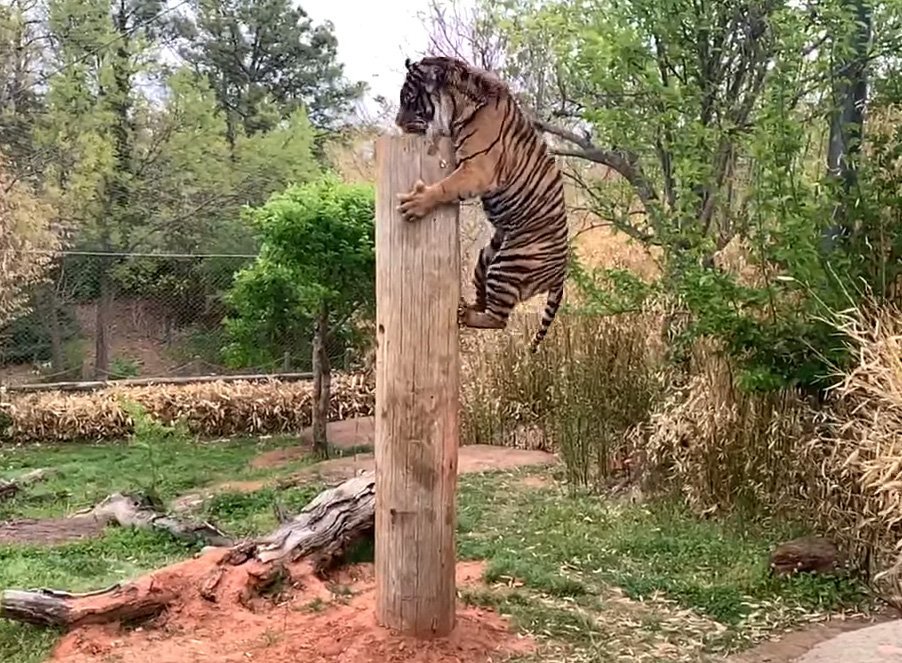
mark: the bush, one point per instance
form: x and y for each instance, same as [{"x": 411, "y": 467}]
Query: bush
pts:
[
  {"x": 859, "y": 492},
  {"x": 722, "y": 446},
  {"x": 27, "y": 338},
  {"x": 588, "y": 389},
  {"x": 835, "y": 467},
  {"x": 317, "y": 259}
]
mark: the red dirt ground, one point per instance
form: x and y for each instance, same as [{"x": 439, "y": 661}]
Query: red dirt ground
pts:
[
  {"x": 344, "y": 434},
  {"x": 308, "y": 623}
]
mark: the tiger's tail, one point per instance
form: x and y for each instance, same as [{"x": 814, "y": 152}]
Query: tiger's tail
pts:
[{"x": 553, "y": 303}]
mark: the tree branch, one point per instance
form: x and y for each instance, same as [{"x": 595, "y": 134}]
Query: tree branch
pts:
[
  {"x": 623, "y": 162},
  {"x": 618, "y": 220}
]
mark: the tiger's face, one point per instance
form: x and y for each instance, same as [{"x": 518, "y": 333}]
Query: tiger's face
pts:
[{"x": 420, "y": 97}]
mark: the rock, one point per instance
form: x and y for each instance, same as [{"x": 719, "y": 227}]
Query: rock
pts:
[{"x": 808, "y": 554}]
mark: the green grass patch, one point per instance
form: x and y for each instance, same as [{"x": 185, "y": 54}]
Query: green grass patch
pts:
[
  {"x": 245, "y": 514},
  {"x": 569, "y": 550},
  {"x": 168, "y": 466}
]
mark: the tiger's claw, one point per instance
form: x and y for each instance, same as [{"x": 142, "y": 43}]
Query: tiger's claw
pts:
[{"x": 416, "y": 203}]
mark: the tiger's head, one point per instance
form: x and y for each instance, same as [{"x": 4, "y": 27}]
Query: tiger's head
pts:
[{"x": 422, "y": 95}]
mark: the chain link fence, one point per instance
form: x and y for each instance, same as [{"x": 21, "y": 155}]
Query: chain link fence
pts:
[{"x": 108, "y": 316}]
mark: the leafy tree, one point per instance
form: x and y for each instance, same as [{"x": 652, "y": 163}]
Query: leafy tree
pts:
[
  {"x": 89, "y": 129},
  {"x": 705, "y": 112},
  {"x": 21, "y": 70},
  {"x": 131, "y": 169},
  {"x": 317, "y": 268},
  {"x": 265, "y": 59},
  {"x": 28, "y": 238}
]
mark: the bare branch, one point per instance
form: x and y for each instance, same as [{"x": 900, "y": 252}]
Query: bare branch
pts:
[
  {"x": 619, "y": 220},
  {"x": 622, "y": 161}
]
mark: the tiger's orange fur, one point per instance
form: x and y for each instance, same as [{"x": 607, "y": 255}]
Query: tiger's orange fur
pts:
[{"x": 504, "y": 161}]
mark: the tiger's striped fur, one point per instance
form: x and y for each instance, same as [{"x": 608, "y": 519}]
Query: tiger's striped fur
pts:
[{"x": 503, "y": 160}]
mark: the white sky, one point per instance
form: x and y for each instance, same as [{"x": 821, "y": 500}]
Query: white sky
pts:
[{"x": 374, "y": 37}]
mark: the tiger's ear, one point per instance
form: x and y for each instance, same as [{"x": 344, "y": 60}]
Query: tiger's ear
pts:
[
  {"x": 434, "y": 75},
  {"x": 408, "y": 65}
]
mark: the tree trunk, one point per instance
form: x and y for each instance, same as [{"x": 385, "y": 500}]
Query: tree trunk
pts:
[
  {"x": 322, "y": 385},
  {"x": 102, "y": 324},
  {"x": 57, "y": 357},
  {"x": 119, "y": 212},
  {"x": 850, "y": 87}
]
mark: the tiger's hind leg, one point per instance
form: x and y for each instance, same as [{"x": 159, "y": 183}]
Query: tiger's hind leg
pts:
[
  {"x": 501, "y": 287},
  {"x": 486, "y": 255},
  {"x": 467, "y": 316}
]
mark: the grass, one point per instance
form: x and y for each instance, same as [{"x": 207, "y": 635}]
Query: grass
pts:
[
  {"x": 599, "y": 574},
  {"x": 245, "y": 514},
  {"x": 595, "y": 578},
  {"x": 80, "y": 566},
  {"x": 172, "y": 465}
]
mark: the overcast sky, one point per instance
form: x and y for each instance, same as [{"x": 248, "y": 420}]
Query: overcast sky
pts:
[{"x": 374, "y": 37}]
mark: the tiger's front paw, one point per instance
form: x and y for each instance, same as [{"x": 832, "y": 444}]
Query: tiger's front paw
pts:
[{"x": 417, "y": 203}]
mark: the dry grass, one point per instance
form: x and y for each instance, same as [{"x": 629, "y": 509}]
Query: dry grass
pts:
[
  {"x": 723, "y": 447},
  {"x": 592, "y": 382},
  {"x": 837, "y": 468},
  {"x": 859, "y": 454},
  {"x": 216, "y": 409}
]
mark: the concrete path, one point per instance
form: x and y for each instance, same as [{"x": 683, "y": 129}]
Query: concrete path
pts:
[{"x": 881, "y": 643}]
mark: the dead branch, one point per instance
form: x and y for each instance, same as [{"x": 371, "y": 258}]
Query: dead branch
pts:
[
  {"x": 134, "y": 511},
  {"x": 48, "y": 607},
  {"x": 12, "y": 487},
  {"x": 333, "y": 520},
  {"x": 624, "y": 162}
]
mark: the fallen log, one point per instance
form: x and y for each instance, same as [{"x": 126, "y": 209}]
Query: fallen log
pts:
[
  {"x": 9, "y": 488},
  {"x": 50, "y": 607},
  {"x": 332, "y": 522},
  {"x": 128, "y": 510},
  {"x": 323, "y": 531},
  {"x": 95, "y": 385}
]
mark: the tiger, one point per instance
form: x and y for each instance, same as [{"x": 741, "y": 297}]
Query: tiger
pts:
[{"x": 502, "y": 159}]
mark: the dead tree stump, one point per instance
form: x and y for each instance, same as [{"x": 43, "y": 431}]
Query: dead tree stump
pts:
[{"x": 808, "y": 554}]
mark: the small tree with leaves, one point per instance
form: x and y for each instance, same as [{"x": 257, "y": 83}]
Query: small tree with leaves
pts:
[
  {"x": 28, "y": 239},
  {"x": 316, "y": 267}
]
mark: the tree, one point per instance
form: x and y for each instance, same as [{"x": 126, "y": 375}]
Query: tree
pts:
[
  {"x": 265, "y": 59},
  {"x": 21, "y": 70},
  {"x": 138, "y": 157},
  {"x": 90, "y": 129},
  {"x": 494, "y": 36},
  {"x": 467, "y": 31},
  {"x": 28, "y": 240},
  {"x": 316, "y": 265},
  {"x": 704, "y": 111},
  {"x": 850, "y": 38}
]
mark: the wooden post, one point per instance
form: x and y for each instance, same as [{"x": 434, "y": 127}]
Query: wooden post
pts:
[{"x": 417, "y": 385}]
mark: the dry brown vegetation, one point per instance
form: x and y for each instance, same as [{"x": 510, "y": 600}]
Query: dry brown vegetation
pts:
[
  {"x": 215, "y": 409},
  {"x": 601, "y": 396}
]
